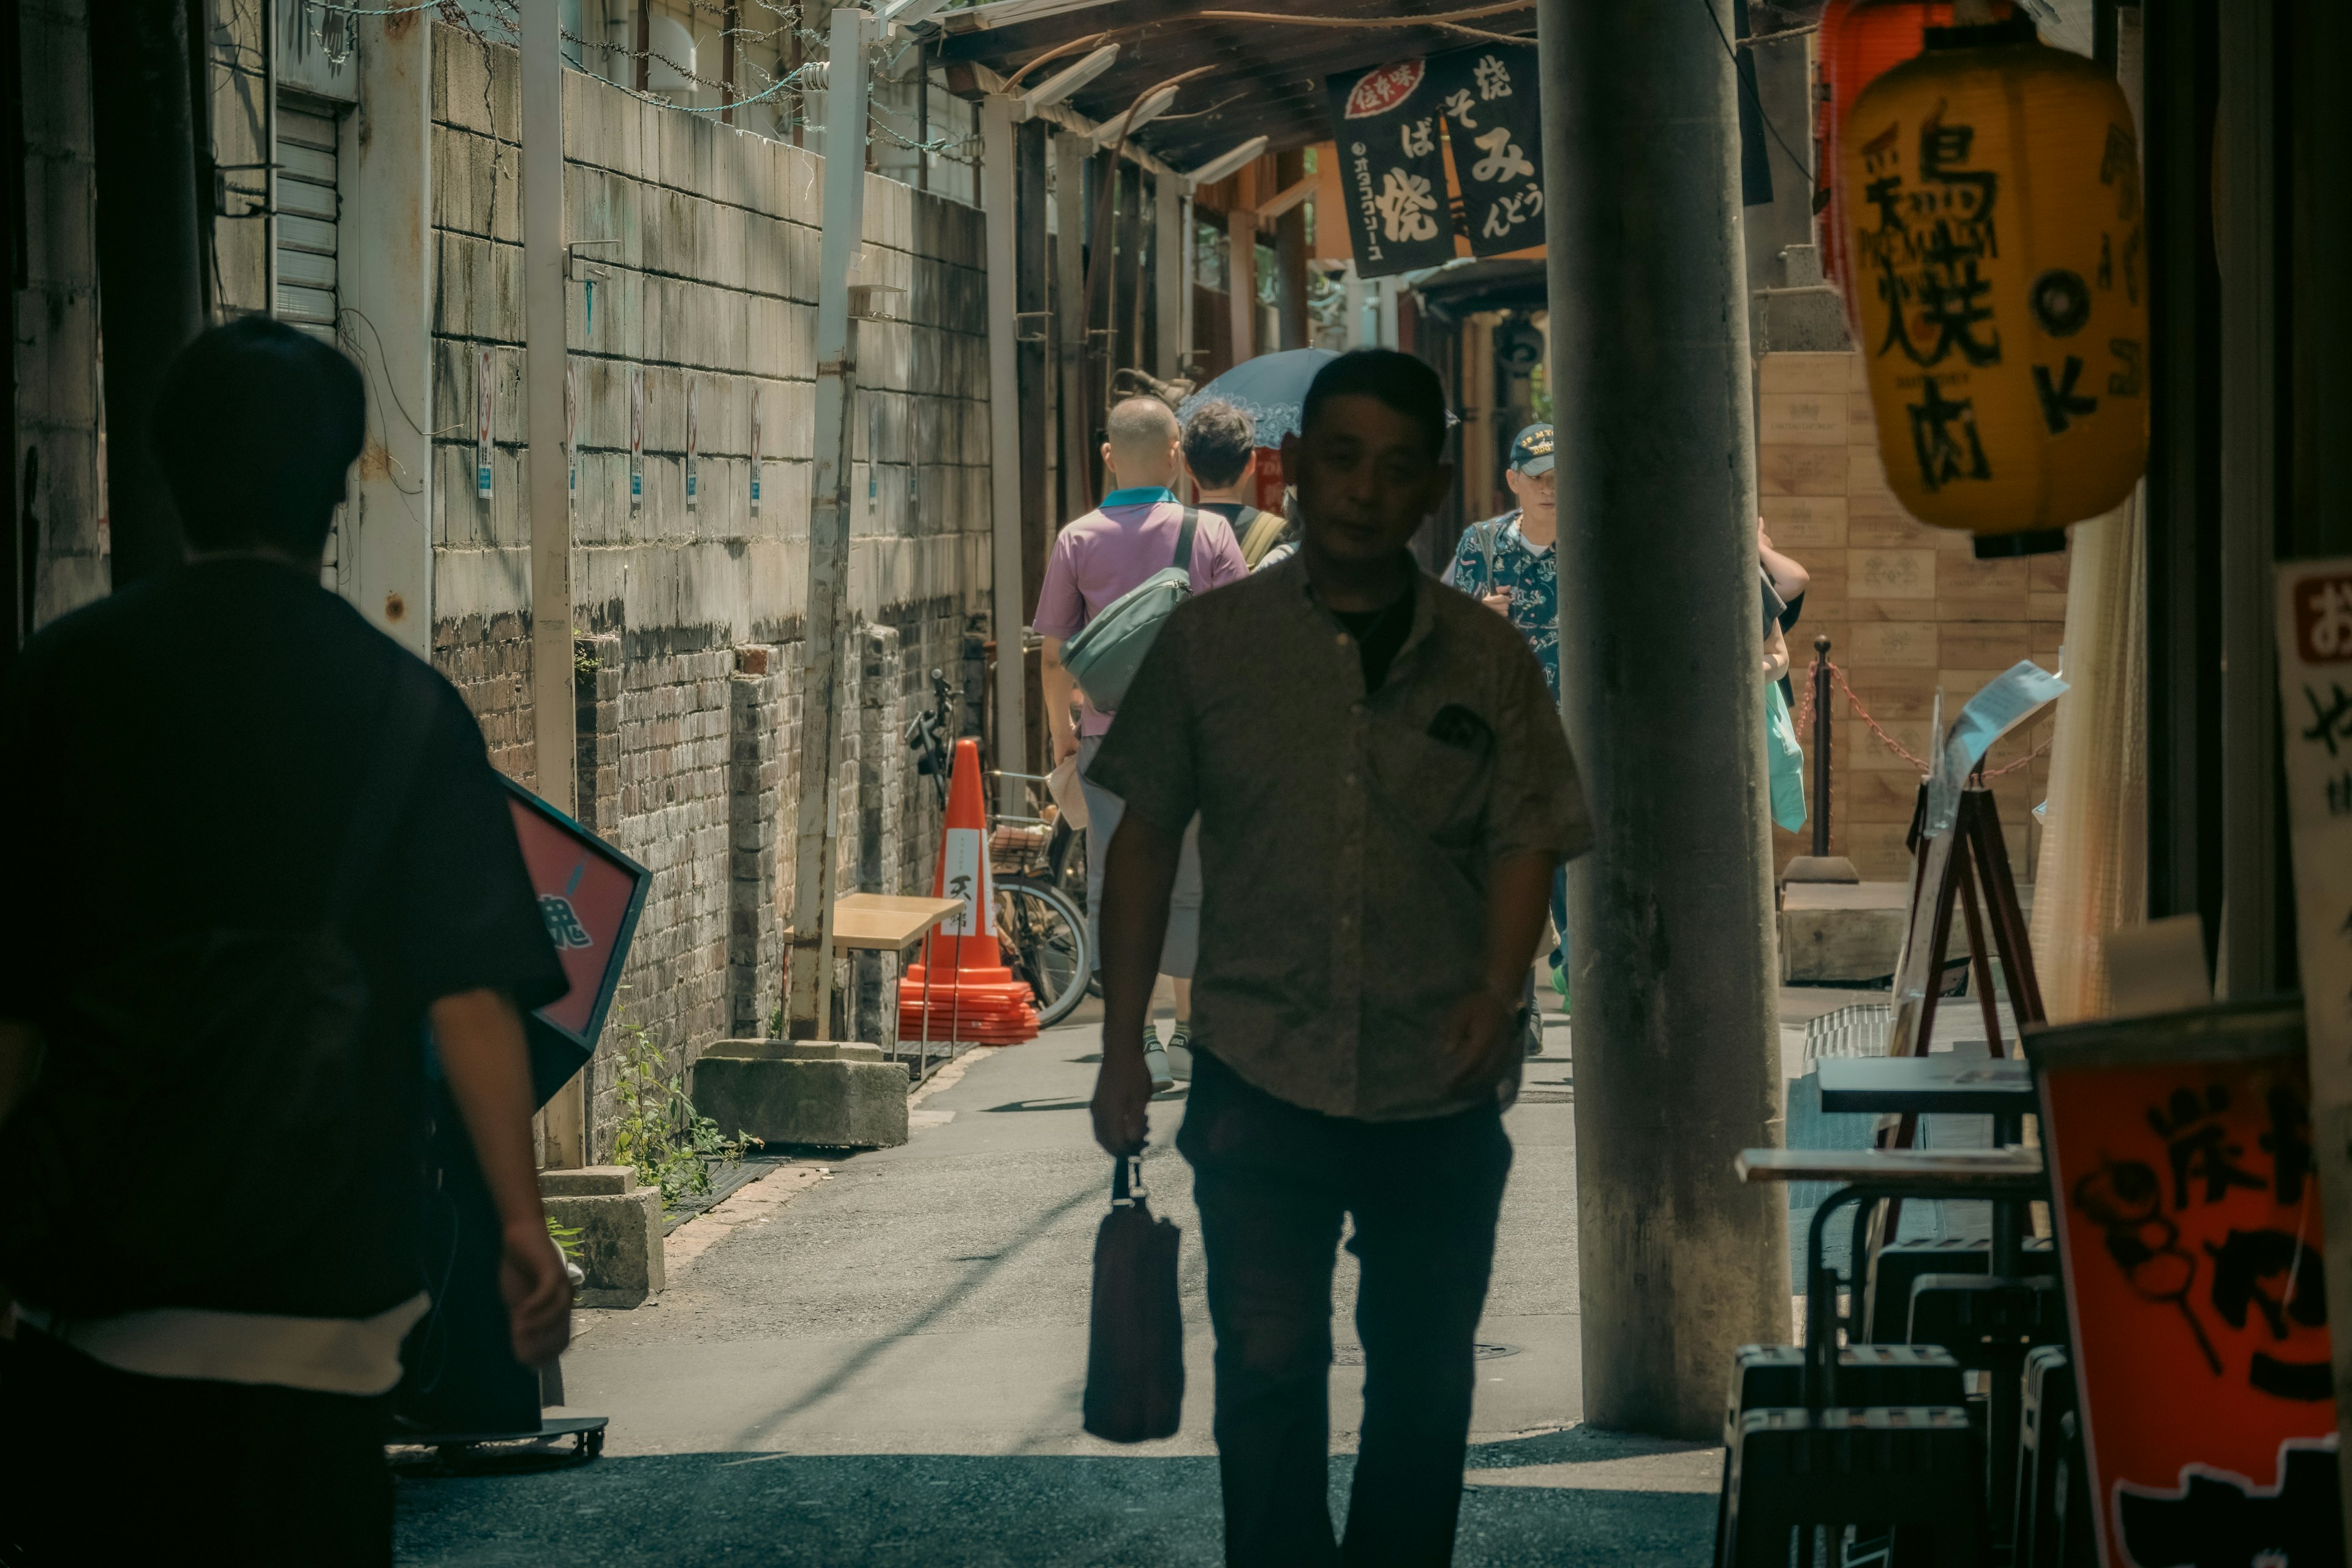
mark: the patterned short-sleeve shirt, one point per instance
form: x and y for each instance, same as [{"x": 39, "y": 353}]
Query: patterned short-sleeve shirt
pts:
[
  {"x": 1348, "y": 836},
  {"x": 1531, "y": 577}
]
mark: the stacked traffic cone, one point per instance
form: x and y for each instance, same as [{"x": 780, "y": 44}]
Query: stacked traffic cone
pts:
[{"x": 964, "y": 990}]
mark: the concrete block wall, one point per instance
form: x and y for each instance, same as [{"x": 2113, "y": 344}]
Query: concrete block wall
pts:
[
  {"x": 690, "y": 720},
  {"x": 1908, "y": 610}
]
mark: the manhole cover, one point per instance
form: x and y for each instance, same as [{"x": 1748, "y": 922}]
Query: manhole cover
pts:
[{"x": 1353, "y": 1355}]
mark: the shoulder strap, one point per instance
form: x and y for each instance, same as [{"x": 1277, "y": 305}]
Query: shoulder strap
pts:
[
  {"x": 1489, "y": 532},
  {"x": 1184, "y": 562},
  {"x": 1263, "y": 530},
  {"x": 383, "y": 789}
]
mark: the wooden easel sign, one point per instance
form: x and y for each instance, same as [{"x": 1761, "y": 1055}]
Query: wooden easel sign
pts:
[{"x": 2188, "y": 1207}]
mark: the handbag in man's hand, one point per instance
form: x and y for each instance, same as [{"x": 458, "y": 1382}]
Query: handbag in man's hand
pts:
[{"x": 1135, "y": 1350}]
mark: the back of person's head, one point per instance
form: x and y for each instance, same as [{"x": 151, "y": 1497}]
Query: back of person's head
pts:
[
  {"x": 1397, "y": 380},
  {"x": 255, "y": 427},
  {"x": 1218, "y": 440},
  {"x": 1142, "y": 433}
]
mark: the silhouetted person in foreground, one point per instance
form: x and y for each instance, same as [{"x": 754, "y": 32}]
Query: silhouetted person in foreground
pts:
[
  {"x": 1384, "y": 790},
  {"x": 257, "y": 848}
]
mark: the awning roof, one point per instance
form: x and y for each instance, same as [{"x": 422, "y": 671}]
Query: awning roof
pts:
[{"x": 1267, "y": 77}]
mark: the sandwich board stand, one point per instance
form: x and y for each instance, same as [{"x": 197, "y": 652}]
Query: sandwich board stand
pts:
[{"x": 461, "y": 1384}]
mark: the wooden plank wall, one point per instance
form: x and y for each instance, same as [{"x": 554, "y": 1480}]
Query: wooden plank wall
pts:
[{"x": 1908, "y": 608}]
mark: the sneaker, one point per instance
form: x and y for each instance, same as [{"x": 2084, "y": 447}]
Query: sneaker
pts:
[{"x": 1155, "y": 1062}]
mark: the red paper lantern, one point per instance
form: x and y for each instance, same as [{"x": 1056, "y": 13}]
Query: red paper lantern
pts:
[{"x": 1862, "y": 40}]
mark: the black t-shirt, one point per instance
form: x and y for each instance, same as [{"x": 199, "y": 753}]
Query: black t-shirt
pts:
[
  {"x": 186, "y": 755},
  {"x": 1379, "y": 633},
  {"x": 1231, "y": 511}
]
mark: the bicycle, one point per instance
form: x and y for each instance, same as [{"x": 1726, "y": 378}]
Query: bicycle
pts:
[{"x": 1041, "y": 930}]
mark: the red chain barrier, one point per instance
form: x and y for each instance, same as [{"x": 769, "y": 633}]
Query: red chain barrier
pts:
[{"x": 1837, "y": 673}]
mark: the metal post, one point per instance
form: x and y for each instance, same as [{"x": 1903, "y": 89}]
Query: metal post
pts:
[
  {"x": 1353, "y": 287},
  {"x": 547, "y": 496},
  {"x": 1821, "y": 747},
  {"x": 1677, "y": 1038},
  {"x": 808, "y": 978},
  {"x": 1006, "y": 588},
  {"x": 1387, "y": 313}
]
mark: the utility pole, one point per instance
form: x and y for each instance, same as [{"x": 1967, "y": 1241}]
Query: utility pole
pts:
[
  {"x": 1006, "y": 587},
  {"x": 150, "y": 290},
  {"x": 808, "y": 976},
  {"x": 547, "y": 489},
  {"x": 1670, "y": 918}
]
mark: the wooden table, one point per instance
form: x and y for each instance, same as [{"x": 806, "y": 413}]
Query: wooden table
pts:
[{"x": 885, "y": 923}]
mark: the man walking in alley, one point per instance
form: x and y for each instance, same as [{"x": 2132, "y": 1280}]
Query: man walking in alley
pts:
[
  {"x": 1511, "y": 564},
  {"x": 1383, "y": 789},
  {"x": 261, "y": 850},
  {"x": 1221, "y": 451},
  {"x": 1107, "y": 553}
]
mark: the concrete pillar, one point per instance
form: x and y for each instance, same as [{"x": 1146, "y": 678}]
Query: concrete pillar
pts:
[{"x": 1670, "y": 917}]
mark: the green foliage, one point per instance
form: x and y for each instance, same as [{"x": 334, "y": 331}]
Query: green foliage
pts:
[
  {"x": 566, "y": 1238},
  {"x": 672, "y": 1145},
  {"x": 1542, "y": 400}
]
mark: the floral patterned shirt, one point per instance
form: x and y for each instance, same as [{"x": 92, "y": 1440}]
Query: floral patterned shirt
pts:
[{"x": 1531, "y": 577}]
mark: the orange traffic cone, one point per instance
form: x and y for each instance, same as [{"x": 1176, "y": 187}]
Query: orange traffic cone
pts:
[{"x": 964, "y": 990}]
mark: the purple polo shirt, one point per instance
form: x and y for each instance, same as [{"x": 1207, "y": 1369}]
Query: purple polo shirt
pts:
[{"x": 1111, "y": 550}]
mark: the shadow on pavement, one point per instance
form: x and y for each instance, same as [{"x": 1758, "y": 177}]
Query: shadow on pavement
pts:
[{"x": 699, "y": 1510}]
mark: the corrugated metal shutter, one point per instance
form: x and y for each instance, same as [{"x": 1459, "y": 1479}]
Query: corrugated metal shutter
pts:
[{"x": 307, "y": 205}]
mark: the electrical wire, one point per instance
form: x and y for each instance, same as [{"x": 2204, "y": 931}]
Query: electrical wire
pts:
[{"x": 1748, "y": 87}]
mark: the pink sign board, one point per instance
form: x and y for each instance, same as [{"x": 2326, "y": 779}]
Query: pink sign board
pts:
[{"x": 589, "y": 895}]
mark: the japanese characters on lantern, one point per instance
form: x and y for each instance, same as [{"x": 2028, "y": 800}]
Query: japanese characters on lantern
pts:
[{"x": 1999, "y": 276}]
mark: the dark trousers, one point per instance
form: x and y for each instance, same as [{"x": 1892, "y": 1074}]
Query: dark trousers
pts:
[
  {"x": 1273, "y": 1181},
  {"x": 101, "y": 1466}
]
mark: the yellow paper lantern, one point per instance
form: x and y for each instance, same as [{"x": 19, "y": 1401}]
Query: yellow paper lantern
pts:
[{"x": 1991, "y": 190}]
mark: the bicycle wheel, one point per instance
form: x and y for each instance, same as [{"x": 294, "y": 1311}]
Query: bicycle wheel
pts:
[{"x": 1046, "y": 941}]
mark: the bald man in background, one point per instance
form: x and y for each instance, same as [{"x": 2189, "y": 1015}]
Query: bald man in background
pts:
[{"x": 1095, "y": 559}]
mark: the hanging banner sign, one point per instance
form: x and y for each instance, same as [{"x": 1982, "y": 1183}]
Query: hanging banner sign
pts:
[
  {"x": 1488, "y": 97},
  {"x": 2186, "y": 1192},
  {"x": 1392, "y": 168}
]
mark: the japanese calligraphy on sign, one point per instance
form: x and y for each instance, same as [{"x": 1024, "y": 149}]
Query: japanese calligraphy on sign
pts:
[
  {"x": 1488, "y": 100},
  {"x": 1392, "y": 167},
  {"x": 2189, "y": 1219},
  {"x": 2314, "y": 628},
  {"x": 2314, "y": 637}
]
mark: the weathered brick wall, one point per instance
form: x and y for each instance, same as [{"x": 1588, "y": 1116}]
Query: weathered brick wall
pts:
[{"x": 689, "y": 721}]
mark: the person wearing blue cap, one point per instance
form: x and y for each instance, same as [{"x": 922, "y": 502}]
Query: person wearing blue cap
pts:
[{"x": 1511, "y": 564}]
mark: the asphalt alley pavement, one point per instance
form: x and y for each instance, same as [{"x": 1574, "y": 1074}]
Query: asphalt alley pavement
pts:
[{"x": 886, "y": 1369}]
